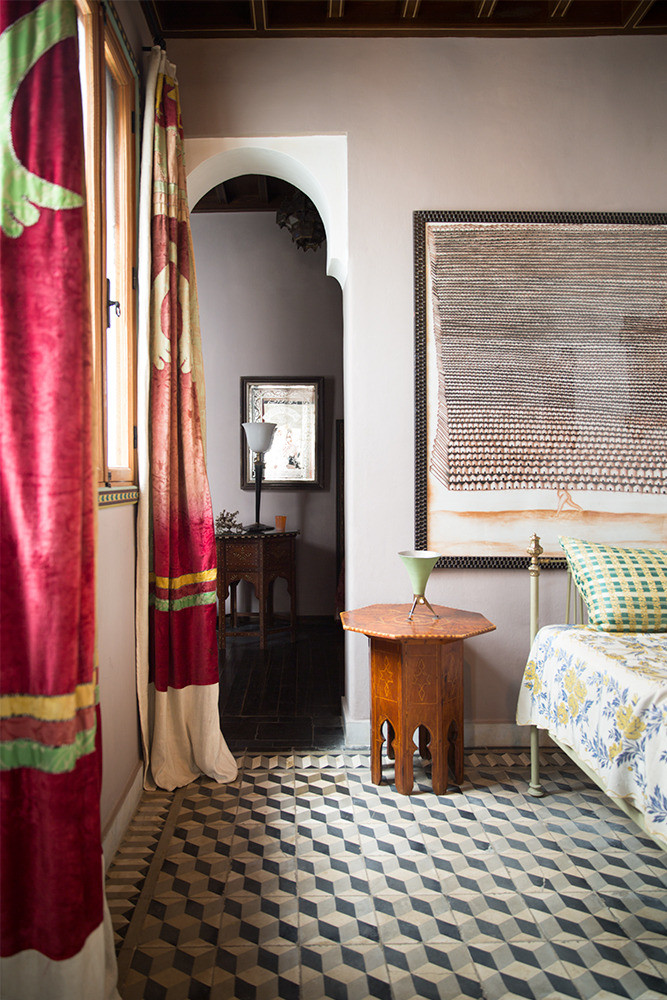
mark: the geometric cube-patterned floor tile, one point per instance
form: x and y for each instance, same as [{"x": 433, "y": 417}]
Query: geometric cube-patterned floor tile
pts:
[
  {"x": 609, "y": 869},
  {"x": 337, "y": 919},
  {"x": 336, "y": 875},
  {"x": 262, "y": 875},
  {"x": 642, "y": 916},
  {"x": 179, "y": 920},
  {"x": 423, "y": 970},
  {"x": 262, "y": 972},
  {"x": 608, "y": 970},
  {"x": 160, "y": 971},
  {"x": 571, "y": 915},
  {"x": 391, "y": 838},
  {"x": 483, "y": 873},
  {"x": 317, "y": 784},
  {"x": 304, "y": 880},
  {"x": 452, "y": 832},
  {"x": 549, "y": 869},
  {"x": 528, "y": 969},
  {"x": 192, "y": 876},
  {"x": 411, "y": 873},
  {"x": 330, "y": 839},
  {"x": 344, "y": 972},
  {"x": 404, "y": 919},
  {"x": 263, "y": 840},
  {"x": 656, "y": 953},
  {"x": 248, "y": 918},
  {"x": 505, "y": 917}
]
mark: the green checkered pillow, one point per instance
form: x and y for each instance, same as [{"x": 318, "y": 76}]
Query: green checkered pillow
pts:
[{"x": 625, "y": 589}]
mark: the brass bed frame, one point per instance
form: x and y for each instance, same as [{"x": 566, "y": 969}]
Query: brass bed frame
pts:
[{"x": 574, "y": 604}]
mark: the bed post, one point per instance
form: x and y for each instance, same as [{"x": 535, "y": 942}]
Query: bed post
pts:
[{"x": 534, "y": 551}]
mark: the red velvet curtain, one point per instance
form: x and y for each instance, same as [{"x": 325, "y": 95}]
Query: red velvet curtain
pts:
[
  {"x": 184, "y": 738},
  {"x": 52, "y": 892},
  {"x": 184, "y": 648}
]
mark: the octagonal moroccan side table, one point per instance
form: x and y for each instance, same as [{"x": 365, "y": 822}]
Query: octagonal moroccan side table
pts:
[{"x": 416, "y": 683}]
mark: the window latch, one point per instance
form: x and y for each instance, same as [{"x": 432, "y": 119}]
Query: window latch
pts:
[{"x": 111, "y": 302}]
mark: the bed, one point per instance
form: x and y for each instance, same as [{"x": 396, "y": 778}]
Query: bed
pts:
[{"x": 600, "y": 689}]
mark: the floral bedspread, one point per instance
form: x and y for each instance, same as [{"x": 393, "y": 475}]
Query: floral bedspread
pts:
[{"x": 604, "y": 694}]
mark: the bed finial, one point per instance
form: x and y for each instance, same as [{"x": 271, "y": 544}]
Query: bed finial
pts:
[{"x": 534, "y": 550}]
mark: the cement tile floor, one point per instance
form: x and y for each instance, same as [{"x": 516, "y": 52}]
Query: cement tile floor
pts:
[{"x": 303, "y": 880}]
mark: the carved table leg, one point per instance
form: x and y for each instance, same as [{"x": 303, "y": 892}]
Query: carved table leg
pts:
[
  {"x": 376, "y": 745},
  {"x": 391, "y": 736},
  {"x": 452, "y": 718},
  {"x": 424, "y": 740},
  {"x": 455, "y": 754},
  {"x": 291, "y": 587},
  {"x": 222, "y": 618},
  {"x": 269, "y": 602},
  {"x": 404, "y": 748},
  {"x": 232, "y": 603},
  {"x": 262, "y": 601}
]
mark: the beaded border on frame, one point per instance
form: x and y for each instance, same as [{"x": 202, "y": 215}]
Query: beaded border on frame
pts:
[{"x": 420, "y": 220}]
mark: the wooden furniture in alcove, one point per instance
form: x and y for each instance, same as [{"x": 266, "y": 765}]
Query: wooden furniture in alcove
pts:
[
  {"x": 416, "y": 683},
  {"x": 260, "y": 559}
]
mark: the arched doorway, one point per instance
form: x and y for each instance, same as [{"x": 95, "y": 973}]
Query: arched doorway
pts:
[
  {"x": 317, "y": 165},
  {"x": 222, "y": 171}
]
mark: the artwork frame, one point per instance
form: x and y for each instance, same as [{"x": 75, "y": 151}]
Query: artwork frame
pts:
[
  {"x": 296, "y": 405},
  {"x": 426, "y": 511}
]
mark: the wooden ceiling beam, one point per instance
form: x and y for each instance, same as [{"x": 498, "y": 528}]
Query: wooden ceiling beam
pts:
[
  {"x": 410, "y": 8},
  {"x": 485, "y": 8},
  {"x": 259, "y": 18},
  {"x": 336, "y": 18},
  {"x": 559, "y": 8},
  {"x": 638, "y": 13},
  {"x": 262, "y": 189}
]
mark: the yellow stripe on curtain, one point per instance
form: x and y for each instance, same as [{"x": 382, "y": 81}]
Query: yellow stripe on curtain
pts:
[{"x": 174, "y": 582}]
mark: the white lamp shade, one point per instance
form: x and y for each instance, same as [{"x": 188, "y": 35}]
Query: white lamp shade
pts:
[{"x": 259, "y": 436}]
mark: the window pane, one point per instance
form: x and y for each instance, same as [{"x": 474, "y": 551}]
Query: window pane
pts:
[{"x": 116, "y": 336}]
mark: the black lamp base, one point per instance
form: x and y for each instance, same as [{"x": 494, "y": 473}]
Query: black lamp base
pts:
[{"x": 249, "y": 528}]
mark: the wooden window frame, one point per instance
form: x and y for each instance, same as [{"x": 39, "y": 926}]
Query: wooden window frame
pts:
[{"x": 104, "y": 48}]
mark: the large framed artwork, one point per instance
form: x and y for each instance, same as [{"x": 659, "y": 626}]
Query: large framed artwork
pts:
[
  {"x": 540, "y": 381},
  {"x": 296, "y": 457}
]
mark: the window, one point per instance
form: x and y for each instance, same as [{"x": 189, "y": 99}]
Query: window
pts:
[{"x": 108, "y": 84}]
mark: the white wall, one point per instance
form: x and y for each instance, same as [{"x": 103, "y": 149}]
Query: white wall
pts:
[
  {"x": 115, "y": 644},
  {"x": 268, "y": 309},
  {"x": 121, "y": 754},
  {"x": 560, "y": 124}
]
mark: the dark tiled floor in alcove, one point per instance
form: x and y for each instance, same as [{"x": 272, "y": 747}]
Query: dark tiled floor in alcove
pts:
[{"x": 287, "y": 696}]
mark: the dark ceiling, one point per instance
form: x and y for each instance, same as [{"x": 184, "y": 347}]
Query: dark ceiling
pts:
[
  {"x": 249, "y": 193},
  {"x": 371, "y": 18},
  {"x": 382, "y": 18}
]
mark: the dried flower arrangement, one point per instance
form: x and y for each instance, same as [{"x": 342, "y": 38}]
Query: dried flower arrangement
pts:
[{"x": 227, "y": 523}]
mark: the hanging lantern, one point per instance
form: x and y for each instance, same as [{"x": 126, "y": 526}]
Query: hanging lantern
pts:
[{"x": 300, "y": 218}]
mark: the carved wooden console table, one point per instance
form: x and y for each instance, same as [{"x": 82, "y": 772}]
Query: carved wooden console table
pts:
[
  {"x": 416, "y": 683},
  {"x": 260, "y": 559}
]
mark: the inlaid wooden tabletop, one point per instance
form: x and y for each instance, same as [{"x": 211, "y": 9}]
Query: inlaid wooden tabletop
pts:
[{"x": 390, "y": 621}]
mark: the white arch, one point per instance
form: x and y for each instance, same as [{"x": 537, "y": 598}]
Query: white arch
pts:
[{"x": 317, "y": 164}]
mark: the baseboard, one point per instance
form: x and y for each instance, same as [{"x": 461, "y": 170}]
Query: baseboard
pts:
[
  {"x": 495, "y": 734},
  {"x": 119, "y": 822},
  {"x": 500, "y": 734},
  {"x": 357, "y": 731},
  {"x": 475, "y": 734}
]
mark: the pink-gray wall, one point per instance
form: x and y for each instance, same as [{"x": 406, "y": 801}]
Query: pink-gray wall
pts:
[
  {"x": 121, "y": 755},
  {"x": 115, "y": 643},
  {"x": 268, "y": 309},
  {"x": 431, "y": 124},
  {"x": 560, "y": 124}
]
